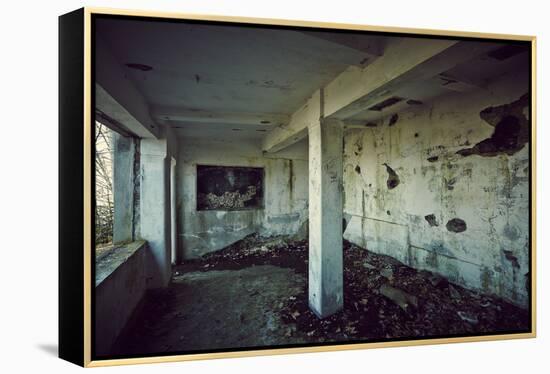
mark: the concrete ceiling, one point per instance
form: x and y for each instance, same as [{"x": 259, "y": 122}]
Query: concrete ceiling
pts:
[
  {"x": 233, "y": 82},
  {"x": 234, "y": 69}
]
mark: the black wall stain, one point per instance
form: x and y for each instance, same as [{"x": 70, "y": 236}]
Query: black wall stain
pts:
[
  {"x": 358, "y": 147},
  {"x": 433, "y": 158},
  {"x": 509, "y": 255},
  {"x": 456, "y": 225},
  {"x": 450, "y": 184},
  {"x": 414, "y": 102},
  {"x": 393, "y": 120},
  {"x": 430, "y": 218},
  {"x": 386, "y": 103},
  {"x": 511, "y": 130},
  {"x": 290, "y": 179},
  {"x": 393, "y": 179},
  {"x": 358, "y": 169}
]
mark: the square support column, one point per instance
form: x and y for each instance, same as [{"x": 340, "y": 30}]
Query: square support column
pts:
[
  {"x": 155, "y": 210},
  {"x": 123, "y": 188},
  {"x": 326, "y": 294}
]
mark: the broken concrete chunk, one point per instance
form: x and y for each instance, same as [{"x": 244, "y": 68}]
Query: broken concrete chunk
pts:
[
  {"x": 467, "y": 317},
  {"x": 400, "y": 297},
  {"x": 453, "y": 292},
  {"x": 387, "y": 273},
  {"x": 368, "y": 266},
  {"x": 437, "y": 281}
]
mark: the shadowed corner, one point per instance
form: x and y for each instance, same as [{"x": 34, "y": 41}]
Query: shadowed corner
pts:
[{"x": 50, "y": 349}]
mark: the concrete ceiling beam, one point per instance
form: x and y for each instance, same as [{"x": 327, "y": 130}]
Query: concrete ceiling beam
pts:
[
  {"x": 118, "y": 98},
  {"x": 283, "y": 136},
  {"x": 179, "y": 114},
  {"x": 405, "y": 60}
]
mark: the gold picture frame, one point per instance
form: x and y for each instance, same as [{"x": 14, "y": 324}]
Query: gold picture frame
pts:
[{"x": 77, "y": 297}]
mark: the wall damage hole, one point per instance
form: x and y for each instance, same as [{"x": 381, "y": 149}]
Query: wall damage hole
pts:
[
  {"x": 416, "y": 135},
  {"x": 450, "y": 183},
  {"x": 433, "y": 158},
  {"x": 430, "y": 218},
  {"x": 511, "y": 130},
  {"x": 229, "y": 187},
  {"x": 393, "y": 120},
  {"x": 509, "y": 255},
  {"x": 456, "y": 225},
  {"x": 393, "y": 179},
  {"x": 388, "y": 212},
  {"x": 414, "y": 102},
  {"x": 358, "y": 169},
  {"x": 370, "y": 124},
  {"x": 503, "y": 141},
  {"x": 386, "y": 103},
  {"x": 358, "y": 147}
]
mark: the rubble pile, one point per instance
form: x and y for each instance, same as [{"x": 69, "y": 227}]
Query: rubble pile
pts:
[{"x": 383, "y": 298}]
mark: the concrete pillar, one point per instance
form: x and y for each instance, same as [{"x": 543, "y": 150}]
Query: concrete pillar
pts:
[
  {"x": 326, "y": 295},
  {"x": 155, "y": 209},
  {"x": 123, "y": 188},
  {"x": 173, "y": 228}
]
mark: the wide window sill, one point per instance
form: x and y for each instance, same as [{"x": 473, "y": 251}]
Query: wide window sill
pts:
[{"x": 114, "y": 258}]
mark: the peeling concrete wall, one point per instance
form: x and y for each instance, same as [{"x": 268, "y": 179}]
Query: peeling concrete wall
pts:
[
  {"x": 444, "y": 187},
  {"x": 285, "y": 202}
]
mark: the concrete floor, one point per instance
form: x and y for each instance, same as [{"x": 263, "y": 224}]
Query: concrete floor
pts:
[
  {"x": 216, "y": 310},
  {"x": 254, "y": 294}
]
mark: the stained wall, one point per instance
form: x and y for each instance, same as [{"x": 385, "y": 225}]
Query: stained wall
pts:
[
  {"x": 284, "y": 210},
  {"x": 444, "y": 186}
]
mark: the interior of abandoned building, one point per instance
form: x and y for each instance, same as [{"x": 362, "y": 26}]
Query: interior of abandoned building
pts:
[{"x": 276, "y": 186}]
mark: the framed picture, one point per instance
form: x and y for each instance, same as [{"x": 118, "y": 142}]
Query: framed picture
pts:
[{"x": 233, "y": 187}]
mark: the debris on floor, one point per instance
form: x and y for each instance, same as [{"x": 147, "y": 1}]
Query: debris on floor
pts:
[{"x": 254, "y": 293}]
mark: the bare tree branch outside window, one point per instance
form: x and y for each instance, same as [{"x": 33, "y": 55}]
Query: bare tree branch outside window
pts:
[{"x": 104, "y": 210}]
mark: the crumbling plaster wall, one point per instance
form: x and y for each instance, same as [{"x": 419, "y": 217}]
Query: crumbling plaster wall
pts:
[
  {"x": 285, "y": 203},
  {"x": 465, "y": 215}
]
